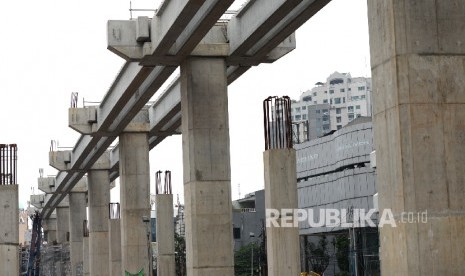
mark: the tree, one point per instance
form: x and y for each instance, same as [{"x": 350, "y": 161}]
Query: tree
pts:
[
  {"x": 318, "y": 255},
  {"x": 242, "y": 259},
  {"x": 180, "y": 257},
  {"x": 342, "y": 244}
]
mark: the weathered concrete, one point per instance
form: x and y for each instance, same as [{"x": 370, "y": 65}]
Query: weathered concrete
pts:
[
  {"x": 281, "y": 193},
  {"x": 165, "y": 235},
  {"x": 77, "y": 207},
  {"x": 418, "y": 68},
  {"x": 85, "y": 259},
  {"x": 115, "y": 247},
  {"x": 207, "y": 171},
  {"x": 9, "y": 230},
  {"x": 99, "y": 198},
  {"x": 62, "y": 224},
  {"x": 50, "y": 229},
  {"x": 135, "y": 200}
]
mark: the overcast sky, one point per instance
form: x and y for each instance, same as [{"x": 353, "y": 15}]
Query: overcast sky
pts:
[{"x": 52, "y": 48}]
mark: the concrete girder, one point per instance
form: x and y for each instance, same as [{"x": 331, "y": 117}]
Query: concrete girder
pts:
[{"x": 280, "y": 18}]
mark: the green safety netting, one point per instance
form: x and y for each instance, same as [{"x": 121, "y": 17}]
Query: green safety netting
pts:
[{"x": 140, "y": 273}]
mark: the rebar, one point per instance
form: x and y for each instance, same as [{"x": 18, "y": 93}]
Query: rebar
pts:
[
  {"x": 85, "y": 228},
  {"x": 166, "y": 188},
  {"x": 8, "y": 164},
  {"x": 114, "y": 210},
  {"x": 74, "y": 99},
  {"x": 277, "y": 122}
]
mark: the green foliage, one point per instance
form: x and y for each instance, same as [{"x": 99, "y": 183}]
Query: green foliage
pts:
[
  {"x": 318, "y": 255},
  {"x": 180, "y": 258},
  {"x": 242, "y": 260},
  {"x": 342, "y": 244}
]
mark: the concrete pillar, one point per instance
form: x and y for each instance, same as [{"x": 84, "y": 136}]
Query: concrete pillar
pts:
[
  {"x": 77, "y": 207},
  {"x": 115, "y": 247},
  {"x": 99, "y": 198},
  {"x": 50, "y": 225},
  {"x": 207, "y": 171},
  {"x": 135, "y": 200},
  {"x": 281, "y": 193},
  {"x": 9, "y": 230},
  {"x": 165, "y": 235},
  {"x": 85, "y": 259},
  {"x": 62, "y": 224},
  {"x": 418, "y": 69}
]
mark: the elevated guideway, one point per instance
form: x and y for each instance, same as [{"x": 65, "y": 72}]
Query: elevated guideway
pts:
[{"x": 261, "y": 32}]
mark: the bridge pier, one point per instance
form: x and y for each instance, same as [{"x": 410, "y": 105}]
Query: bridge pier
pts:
[
  {"x": 165, "y": 235},
  {"x": 50, "y": 229},
  {"x": 9, "y": 230},
  {"x": 115, "y": 247},
  {"x": 417, "y": 60},
  {"x": 99, "y": 198},
  {"x": 77, "y": 205},
  {"x": 62, "y": 222},
  {"x": 134, "y": 174},
  {"x": 207, "y": 171}
]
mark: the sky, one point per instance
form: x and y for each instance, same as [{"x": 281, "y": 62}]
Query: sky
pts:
[{"x": 51, "y": 48}]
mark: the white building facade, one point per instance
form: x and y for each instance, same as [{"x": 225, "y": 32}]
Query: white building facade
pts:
[{"x": 331, "y": 105}]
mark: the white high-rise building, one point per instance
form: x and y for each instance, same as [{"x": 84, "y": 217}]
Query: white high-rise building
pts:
[{"x": 331, "y": 105}]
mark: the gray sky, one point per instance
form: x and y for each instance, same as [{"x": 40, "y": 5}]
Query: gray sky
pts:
[{"x": 52, "y": 48}]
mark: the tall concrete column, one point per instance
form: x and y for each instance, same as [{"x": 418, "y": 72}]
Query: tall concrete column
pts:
[
  {"x": 99, "y": 198},
  {"x": 77, "y": 206},
  {"x": 207, "y": 171},
  {"x": 281, "y": 193},
  {"x": 135, "y": 200},
  {"x": 85, "y": 259},
  {"x": 418, "y": 69},
  {"x": 165, "y": 235},
  {"x": 9, "y": 230},
  {"x": 50, "y": 230},
  {"x": 62, "y": 224},
  {"x": 115, "y": 247}
]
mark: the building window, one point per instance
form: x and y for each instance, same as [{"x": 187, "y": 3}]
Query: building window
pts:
[
  {"x": 337, "y": 100},
  {"x": 314, "y": 94},
  {"x": 361, "y": 88},
  {"x": 338, "y": 111},
  {"x": 350, "y": 109},
  {"x": 342, "y": 90},
  {"x": 339, "y": 126},
  {"x": 297, "y": 117},
  {"x": 325, "y": 101},
  {"x": 357, "y": 107},
  {"x": 325, "y": 118},
  {"x": 349, "y": 89},
  {"x": 330, "y": 101},
  {"x": 331, "y": 91},
  {"x": 351, "y": 117},
  {"x": 237, "y": 233},
  {"x": 344, "y": 99},
  {"x": 325, "y": 111},
  {"x": 304, "y": 117},
  {"x": 355, "y": 98},
  {"x": 297, "y": 109},
  {"x": 325, "y": 127},
  {"x": 304, "y": 107},
  {"x": 363, "y": 96},
  {"x": 338, "y": 119}
]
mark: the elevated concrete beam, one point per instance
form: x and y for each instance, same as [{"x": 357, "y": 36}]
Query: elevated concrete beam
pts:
[{"x": 267, "y": 23}]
